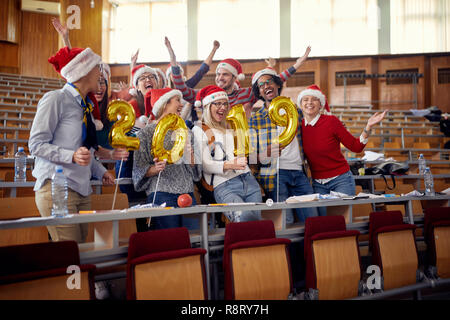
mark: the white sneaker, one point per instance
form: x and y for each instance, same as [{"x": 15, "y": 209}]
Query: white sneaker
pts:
[{"x": 101, "y": 290}]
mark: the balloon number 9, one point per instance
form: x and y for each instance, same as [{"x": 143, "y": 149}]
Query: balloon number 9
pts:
[
  {"x": 117, "y": 137},
  {"x": 238, "y": 121},
  {"x": 177, "y": 124},
  {"x": 289, "y": 119}
]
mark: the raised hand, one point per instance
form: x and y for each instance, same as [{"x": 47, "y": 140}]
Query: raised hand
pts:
[
  {"x": 303, "y": 58},
  {"x": 173, "y": 59},
  {"x": 216, "y": 45},
  {"x": 134, "y": 58},
  {"x": 375, "y": 119},
  {"x": 271, "y": 62},
  {"x": 62, "y": 30}
]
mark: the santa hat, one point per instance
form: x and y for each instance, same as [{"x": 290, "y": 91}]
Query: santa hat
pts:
[
  {"x": 106, "y": 71},
  {"x": 156, "y": 99},
  {"x": 73, "y": 64},
  {"x": 138, "y": 71},
  {"x": 233, "y": 66},
  {"x": 314, "y": 91},
  {"x": 162, "y": 77},
  {"x": 209, "y": 94},
  {"x": 267, "y": 71}
]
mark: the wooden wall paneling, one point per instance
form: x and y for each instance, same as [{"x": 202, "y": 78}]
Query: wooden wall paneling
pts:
[
  {"x": 39, "y": 41},
  {"x": 90, "y": 32},
  {"x": 440, "y": 92},
  {"x": 10, "y": 21},
  {"x": 392, "y": 95},
  {"x": 9, "y": 57},
  {"x": 359, "y": 94}
]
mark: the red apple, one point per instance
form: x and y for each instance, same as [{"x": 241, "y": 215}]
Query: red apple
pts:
[{"x": 184, "y": 200}]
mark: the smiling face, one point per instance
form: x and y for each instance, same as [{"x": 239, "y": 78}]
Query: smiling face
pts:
[
  {"x": 268, "y": 89},
  {"x": 310, "y": 106},
  {"x": 146, "y": 82},
  {"x": 219, "y": 110},
  {"x": 102, "y": 89},
  {"x": 224, "y": 79},
  {"x": 174, "y": 105}
]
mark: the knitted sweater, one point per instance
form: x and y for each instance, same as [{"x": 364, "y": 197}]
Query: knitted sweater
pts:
[{"x": 322, "y": 146}]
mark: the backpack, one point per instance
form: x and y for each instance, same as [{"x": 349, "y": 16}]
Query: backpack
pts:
[{"x": 390, "y": 168}]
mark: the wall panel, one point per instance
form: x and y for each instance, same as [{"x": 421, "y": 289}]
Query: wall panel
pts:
[{"x": 440, "y": 82}]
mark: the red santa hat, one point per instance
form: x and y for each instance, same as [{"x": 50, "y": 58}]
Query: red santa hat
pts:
[
  {"x": 209, "y": 94},
  {"x": 73, "y": 64},
  {"x": 233, "y": 66},
  {"x": 314, "y": 90},
  {"x": 156, "y": 99},
  {"x": 267, "y": 71},
  {"x": 138, "y": 71}
]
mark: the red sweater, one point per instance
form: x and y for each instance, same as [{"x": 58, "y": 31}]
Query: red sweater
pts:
[{"x": 322, "y": 147}]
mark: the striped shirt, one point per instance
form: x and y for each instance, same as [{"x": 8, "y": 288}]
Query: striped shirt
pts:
[
  {"x": 261, "y": 131},
  {"x": 238, "y": 96}
]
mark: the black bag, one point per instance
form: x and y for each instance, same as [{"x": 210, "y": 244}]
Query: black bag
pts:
[
  {"x": 355, "y": 166},
  {"x": 389, "y": 168}
]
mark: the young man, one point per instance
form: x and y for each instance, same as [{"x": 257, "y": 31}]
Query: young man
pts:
[
  {"x": 63, "y": 133},
  {"x": 291, "y": 180},
  {"x": 228, "y": 71}
]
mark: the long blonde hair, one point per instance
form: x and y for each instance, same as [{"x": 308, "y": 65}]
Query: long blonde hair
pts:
[{"x": 210, "y": 122}]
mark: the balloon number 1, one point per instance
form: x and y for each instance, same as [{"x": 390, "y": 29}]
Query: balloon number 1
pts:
[
  {"x": 238, "y": 121},
  {"x": 289, "y": 119},
  {"x": 177, "y": 124},
  {"x": 117, "y": 137}
]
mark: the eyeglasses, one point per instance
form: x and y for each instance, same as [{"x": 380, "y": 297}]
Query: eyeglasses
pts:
[
  {"x": 149, "y": 77},
  {"x": 220, "y": 104},
  {"x": 263, "y": 83}
]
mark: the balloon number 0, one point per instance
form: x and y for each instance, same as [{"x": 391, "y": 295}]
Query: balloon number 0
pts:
[
  {"x": 117, "y": 137},
  {"x": 238, "y": 121},
  {"x": 289, "y": 119},
  {"x": 177, "y": 124}
]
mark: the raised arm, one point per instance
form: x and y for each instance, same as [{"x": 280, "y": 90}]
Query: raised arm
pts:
[
  {"x": 286, "y": 74},
  {"x": 63, "y": 31},
  {"x": 208, "y": 60},
  {"x": 204, "y": 68},
  {"x": 134, "y": 58}
]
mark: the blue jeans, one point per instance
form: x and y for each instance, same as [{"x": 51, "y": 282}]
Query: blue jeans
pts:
[
  {"x": 172, "y": 221},
  {"x": 345, "y": 183},
  {"x": 293, "y": 183},
  {"x": 243, "y": 188}
]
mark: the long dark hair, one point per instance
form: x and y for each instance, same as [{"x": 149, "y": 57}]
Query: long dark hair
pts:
[
  {"x": 141, "y": 102},
  {"x": 277, "y": 81},
  {"x": 103, "y": 106}
]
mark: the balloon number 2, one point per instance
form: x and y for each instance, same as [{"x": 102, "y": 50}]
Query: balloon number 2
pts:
[
  {"x": 177, "y": 124},
  {"x": 125, "y": 112},
  {"x": 289, "y": 119},
  {"x": 238, "y": 121}
]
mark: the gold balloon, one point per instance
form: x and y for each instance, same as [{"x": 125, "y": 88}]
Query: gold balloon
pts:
[
  {"x": 237, "y": 119},
  {"x": 289, "y": 120},
  {"x": 177, "y": 124},
  {"x": 117, "y": 137}
]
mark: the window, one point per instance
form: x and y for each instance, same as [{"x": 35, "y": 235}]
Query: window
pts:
[
  {"x": 334, "y": 27},
  {"x": 246, "y": 29},
  {"x": 419, "y": 26},
  {"x": 352, "y": 77},
  {"x": 143, "y": 26}
]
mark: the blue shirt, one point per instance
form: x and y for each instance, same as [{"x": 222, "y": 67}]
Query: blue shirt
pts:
[{"x": 56, "y": 133}]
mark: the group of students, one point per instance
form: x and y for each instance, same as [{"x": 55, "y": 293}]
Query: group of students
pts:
[{"x": 62, "y": 133}]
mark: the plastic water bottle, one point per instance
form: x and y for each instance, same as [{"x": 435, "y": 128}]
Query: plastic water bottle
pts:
[
  {"x": 422, "y": 164},
  {"x": 59, "y": 193},
  {"x": 429, "y": 183},
  {"x": 20, "y": 165}
]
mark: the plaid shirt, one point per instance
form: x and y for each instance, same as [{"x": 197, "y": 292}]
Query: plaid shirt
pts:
[{"x": 261, "y": 131}]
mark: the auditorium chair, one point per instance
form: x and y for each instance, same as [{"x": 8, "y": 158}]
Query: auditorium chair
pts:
[
  {"x": 256, "y": 263},
  {"x": 162, "y": 266},
  {"x": 333, "y": 266},
  {"x": 393, "y": 248},
  {"x": 437, "y": 238},
  {"x": 41, "y": 272}
]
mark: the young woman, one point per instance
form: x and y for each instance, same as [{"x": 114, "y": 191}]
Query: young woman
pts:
[
  {"x": 230, "y": 176},
  {"x": 175, "y": 179},
  {"x": 322, "y": 136}
]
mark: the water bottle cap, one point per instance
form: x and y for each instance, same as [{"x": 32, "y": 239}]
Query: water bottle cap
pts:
[
  {"x": 421, "y": 155},
  {"x": 20, "y": 149},
  {"x": 59, "y": 168}
]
